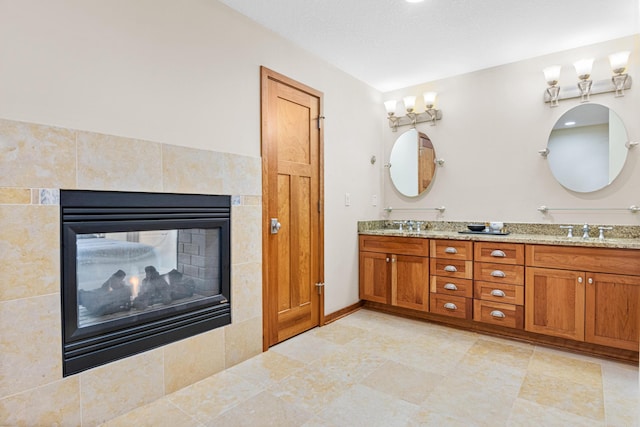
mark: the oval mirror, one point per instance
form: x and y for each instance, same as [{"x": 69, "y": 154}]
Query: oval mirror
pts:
[
  {"x": 587, "y": 148},
  {"x": 412, "y": 164}
]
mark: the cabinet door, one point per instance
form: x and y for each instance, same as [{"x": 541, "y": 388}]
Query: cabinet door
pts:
[
  {"x": 613, "y": 310},
  {"x": 554, "y": 302},
  {"x": 410, "y": 282},
  {"x": 374, "y": 277}
]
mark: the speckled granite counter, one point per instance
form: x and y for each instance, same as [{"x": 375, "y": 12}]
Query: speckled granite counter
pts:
[{"x": 624, "y": 237}]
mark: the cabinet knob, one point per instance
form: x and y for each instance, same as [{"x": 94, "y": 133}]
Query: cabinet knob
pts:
[
  {"x": 580, "y": 279},
  {"x": 497, "y": 314},
  {"x": 498, "y": 273},
  {"x": 451, "y": 250},
  {"x": 498, "y": 293},
  {"x": 450, "y": 287},
  {"x": 498, "y": 254},
  {"x": 387, "y": 259},
  {"x": 590, "y": 280},
  {"x": 450, "y": 306}
]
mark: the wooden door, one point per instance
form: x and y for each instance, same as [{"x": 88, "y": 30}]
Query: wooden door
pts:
[
  {"x": 375, "y": 276},
  {"x": 554, "y": 302},
  {"x": 292, "y": 199},
  {"x": 613, "y": 310},
  {"x": 410, "y": 282}
]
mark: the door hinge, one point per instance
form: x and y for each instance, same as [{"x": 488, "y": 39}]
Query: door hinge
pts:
[
  {"x": 319, "y": 286},
  {"x": 320, "y": 118}
]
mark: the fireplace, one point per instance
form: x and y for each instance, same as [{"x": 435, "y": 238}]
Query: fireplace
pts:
[{"x": 140, "y": 270}]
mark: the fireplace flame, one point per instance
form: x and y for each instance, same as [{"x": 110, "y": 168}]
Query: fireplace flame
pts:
[{"x": 135, "y": 283}]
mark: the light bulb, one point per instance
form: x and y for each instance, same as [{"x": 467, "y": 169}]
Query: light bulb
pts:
[{"x": 409, "y": 103}]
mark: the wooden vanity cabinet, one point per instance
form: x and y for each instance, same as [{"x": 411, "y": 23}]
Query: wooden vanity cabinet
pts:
[
  {"x": 498, "y": 272},
  {"x": 612, "y": 307},
  {"x": 586, "y": 294},
  {"x": 452, "y": 278},
  {"x": 395, "y": 270}
]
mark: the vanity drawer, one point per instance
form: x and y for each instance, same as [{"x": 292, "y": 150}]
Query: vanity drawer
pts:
[
  {"x": 448, "y": 305},
  {"x": 602, "y": 260},
  {"x": 499, "y": 292},
  {"x": 395, "y": 245},
  {"x": 452, "y": 286},
  {"x": 509, "y": 315},
  {"x": 503, "y": 253},
  {"x": 499, "y": 273},
  {"x": 452, "y": 249},
  {"x": 451, "y": 268}
]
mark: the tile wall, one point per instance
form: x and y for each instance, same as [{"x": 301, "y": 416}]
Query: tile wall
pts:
[{"x": 35, "y": 162}]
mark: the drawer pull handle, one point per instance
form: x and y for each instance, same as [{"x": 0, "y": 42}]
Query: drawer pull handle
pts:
[
  {"x": 450, "y": 287},
  {"x": 497, "y": 314},
  {"x": 450, "y": 306},
  {"x": 451, "y": 250},
  {"x": 498, "y": 293},
  {"x": 498, "y": 254},
  {"x": 450, "y": 269},
  {"x": 498, "y": 273}
]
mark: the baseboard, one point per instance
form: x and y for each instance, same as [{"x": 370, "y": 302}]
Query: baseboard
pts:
[{"x": 332, "y": 317}]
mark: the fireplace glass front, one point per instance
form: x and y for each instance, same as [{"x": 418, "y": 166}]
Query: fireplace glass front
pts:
[{"x": 140, "y": 270}]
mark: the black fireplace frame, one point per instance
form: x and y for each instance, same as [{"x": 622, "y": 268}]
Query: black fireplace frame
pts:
[{"x": 85, "y": 211}]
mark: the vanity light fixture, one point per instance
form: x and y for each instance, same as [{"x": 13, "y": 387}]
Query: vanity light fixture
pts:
[
  {"x": 583, "y": 70},
  {"x": 552, "y": 76},
  {"x": 411, "y": 117},
  {"x": 390, "y": 106},
  {"x": 618, "y": 62},
  {"x": 619, "y": 82}
]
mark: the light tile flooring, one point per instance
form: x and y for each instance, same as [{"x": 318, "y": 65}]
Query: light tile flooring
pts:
[{"x": 373, "y": 369}]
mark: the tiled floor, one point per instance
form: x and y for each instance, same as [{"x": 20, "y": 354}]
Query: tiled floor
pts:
[{"x": 372, "y": 369}]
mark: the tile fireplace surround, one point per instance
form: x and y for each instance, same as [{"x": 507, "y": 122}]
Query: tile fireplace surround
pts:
[{"x": 36, "y": 161}]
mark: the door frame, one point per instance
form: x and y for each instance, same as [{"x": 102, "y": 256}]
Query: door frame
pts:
[{"x": 265, "y": 75}]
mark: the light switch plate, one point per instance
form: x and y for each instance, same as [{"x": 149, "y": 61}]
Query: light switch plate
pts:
[{"x": 347, "y": 199}]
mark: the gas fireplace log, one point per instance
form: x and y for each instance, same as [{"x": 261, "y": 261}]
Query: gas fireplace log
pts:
[{"x": 113, "y": 296}]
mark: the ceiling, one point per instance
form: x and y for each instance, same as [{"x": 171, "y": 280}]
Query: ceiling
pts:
[{"x": 392, "y": 44}]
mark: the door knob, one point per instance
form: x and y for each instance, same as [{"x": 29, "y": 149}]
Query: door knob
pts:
[{"x": 275, "y": 226}]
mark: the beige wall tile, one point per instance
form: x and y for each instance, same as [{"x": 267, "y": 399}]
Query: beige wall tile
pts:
[
  {"x": 54, "y": 404},
  {"x": 243, "y": 175},
  {"x": 108, "y": 162},
  {"x": 246, "y": 234},
  {"x": 243, "y": 340},
  {"x": 246, "y": 290},
  {"x": 119, "y": 387},
  {"x": 31, "y": 343},
  {"x": 193, "y": 359},
  {"x": 34, "y": 155},
  {"x": 15, "y": 196},
  {"x": 30, "y": 244},
  {"x": 252, "y": 200},
  {"x": 189, "y": 170}
]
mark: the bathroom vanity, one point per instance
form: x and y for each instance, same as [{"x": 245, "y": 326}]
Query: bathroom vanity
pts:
[{"x": 578, "y": 294}]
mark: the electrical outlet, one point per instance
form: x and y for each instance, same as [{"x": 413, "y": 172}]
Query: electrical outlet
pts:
[
  {"x": 374, "y": 200},
  {"x": 347, "y": 199}
]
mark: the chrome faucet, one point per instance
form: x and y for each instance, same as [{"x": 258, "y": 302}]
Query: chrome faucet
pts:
[
  {"x": 399, "y": 223},
  {"x": 585, "y": 231},
  {"x": 569, "y": 229},
  {"x": 410, "y": 225},
  {"x": 602, "y": 229}
]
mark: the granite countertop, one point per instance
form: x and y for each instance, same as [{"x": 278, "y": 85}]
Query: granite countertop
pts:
[{"x": 627, "y": 237}]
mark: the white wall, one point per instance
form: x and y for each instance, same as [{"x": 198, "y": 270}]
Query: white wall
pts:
[
  {"x": 494, "y": 122},
  {"x": 187, "y": 73}
]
